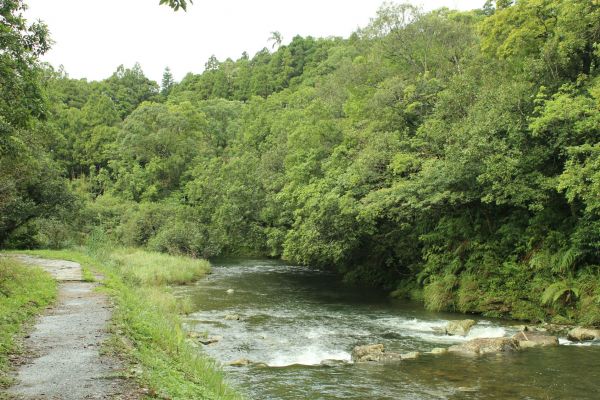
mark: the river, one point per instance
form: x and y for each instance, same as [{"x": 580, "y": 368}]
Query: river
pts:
[{"x": 300, "y": 325}]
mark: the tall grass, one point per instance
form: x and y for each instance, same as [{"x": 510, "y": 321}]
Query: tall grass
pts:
[
  {"x": 150, "y": 268},
  {"x": 24, "y": 292}
]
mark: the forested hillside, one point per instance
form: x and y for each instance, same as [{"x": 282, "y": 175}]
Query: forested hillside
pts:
[{"x": 453, "y": 157}]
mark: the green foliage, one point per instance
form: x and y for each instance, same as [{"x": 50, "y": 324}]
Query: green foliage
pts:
[
  {"x": 564, "y": 291},
  {"x": 177, "y": 4},
  {"x": 438, "y": 295}
]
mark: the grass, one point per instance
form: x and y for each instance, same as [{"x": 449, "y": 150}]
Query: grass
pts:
[
  {"x": 150, "y": 268},
  {"x": 147, "y": 327},
  {"x": 24, "y": 292}
]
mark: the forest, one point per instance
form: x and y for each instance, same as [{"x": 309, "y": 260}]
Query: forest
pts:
[{"x": 450, "y": 157}]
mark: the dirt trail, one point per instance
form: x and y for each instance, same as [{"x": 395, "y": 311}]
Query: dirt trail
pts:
[{"x": 64, "y": 360}]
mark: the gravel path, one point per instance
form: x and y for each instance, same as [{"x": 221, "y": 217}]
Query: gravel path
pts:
[{"x": 64, "y": 360}]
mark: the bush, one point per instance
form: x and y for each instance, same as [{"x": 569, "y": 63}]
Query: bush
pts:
[{"x": 438, "y": 295}]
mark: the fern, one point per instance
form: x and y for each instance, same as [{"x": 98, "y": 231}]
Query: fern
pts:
[
  {"x": 561, "y": 262},
  {"x": 565, "y": 260},
  {"x": 564, "y": 289}
]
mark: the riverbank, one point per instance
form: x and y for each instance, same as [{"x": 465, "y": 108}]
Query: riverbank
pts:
[
  {"x": 146, "y": 329},
  {"x": 24, "y": 293}
]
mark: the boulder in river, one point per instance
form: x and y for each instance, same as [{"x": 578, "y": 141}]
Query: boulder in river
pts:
[
  {"x": 535, "y": 339},
  {"x": 486, "y": 346},
  {"x": 460, "y": 328},
  {"x": 374, "y": 353},
  {"x": 580, "y": 334}
]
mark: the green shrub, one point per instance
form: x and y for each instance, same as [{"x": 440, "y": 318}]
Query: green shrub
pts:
[{"x": 438, "y": 295}]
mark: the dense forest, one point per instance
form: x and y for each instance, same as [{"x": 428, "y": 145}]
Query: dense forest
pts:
[{"x": 452, "y": 157}]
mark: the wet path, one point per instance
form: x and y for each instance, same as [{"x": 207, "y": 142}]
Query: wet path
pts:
[{"x": 64, "y": 360}]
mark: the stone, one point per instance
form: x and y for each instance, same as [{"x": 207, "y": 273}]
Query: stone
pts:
[
  {"x": 439, "y": 350},
  {"x": 374, "y": 353},
  {"x": 332, "y": 363},
  {"x": 360, "y": 352},
  {"x": 580, "y": 334},
  {"x": 210, "y": 340},
  {"x": 535, "y": 339},
  {"x": 413, "y": 355},
  {"x": 486, "y": 346},
  {"x": 242, "y": 362},
  {"x": 460, "y": 328}
]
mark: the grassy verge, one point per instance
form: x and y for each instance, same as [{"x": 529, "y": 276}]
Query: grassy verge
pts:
[
  {"x": 147, "y": 328},
  {"x": 24, "y": 292}
]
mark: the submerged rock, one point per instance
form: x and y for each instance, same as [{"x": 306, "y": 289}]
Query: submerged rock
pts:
[
  {"x": 332, "y": 363},
  {"x": 486, "y": 346},
  {"x": 210, "y": 340},
  {"x": 460, "y": 328},
  {"x": 439, "y": 350},
  {"x": 580, "y": 334},
  {"x": 535, "y": 339},
  {"x": 413, "y": 355},
  {"x": 374, "y": 353},
  {"x": 242, "y": 362}
]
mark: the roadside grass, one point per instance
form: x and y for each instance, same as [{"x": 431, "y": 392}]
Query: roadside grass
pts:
[
  {"x": 147, "y": 328},
  {"x": 24, "y": 292}
]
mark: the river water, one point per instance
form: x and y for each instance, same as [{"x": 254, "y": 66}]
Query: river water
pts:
[{"x": 300, "y": 325}]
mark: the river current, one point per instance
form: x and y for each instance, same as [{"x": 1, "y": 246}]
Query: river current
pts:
[{"x": 298, "y": 326}]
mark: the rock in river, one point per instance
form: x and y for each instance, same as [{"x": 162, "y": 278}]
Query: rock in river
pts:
[
  {"x": 535, "y": 339},
  {"x": 374, "y": 353},
  {"x": 210, "y": 340},
  {"x": 460, "y": 328},
  {"x": 486, "y": 346},
  {"x": 580, "y": 334},
  {"x": 242, "y": 362},
  {"x": 439, "y": 350}
]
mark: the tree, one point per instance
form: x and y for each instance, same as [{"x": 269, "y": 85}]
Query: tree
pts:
[
  {"x": 30, "y": 182},
  {"x": 177, "y": 4},
  {"x": 276, "y": 38},
  {"x": 167, "y": 82}
]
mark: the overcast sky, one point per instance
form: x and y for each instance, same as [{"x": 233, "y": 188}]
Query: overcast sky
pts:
[{"x": 93, "y": 37}]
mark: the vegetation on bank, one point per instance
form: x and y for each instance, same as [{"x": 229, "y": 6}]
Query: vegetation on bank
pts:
[
  {"x": 450, "y": 156},
  {"x": 146, "y": 325},
  {"x": 24, "y": 292}
]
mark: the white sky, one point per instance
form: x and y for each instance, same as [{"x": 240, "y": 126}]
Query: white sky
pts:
[{"x": 93, "y": 37}]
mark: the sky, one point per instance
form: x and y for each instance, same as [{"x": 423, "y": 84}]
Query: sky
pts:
[{"x": 93, "y": 37}]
